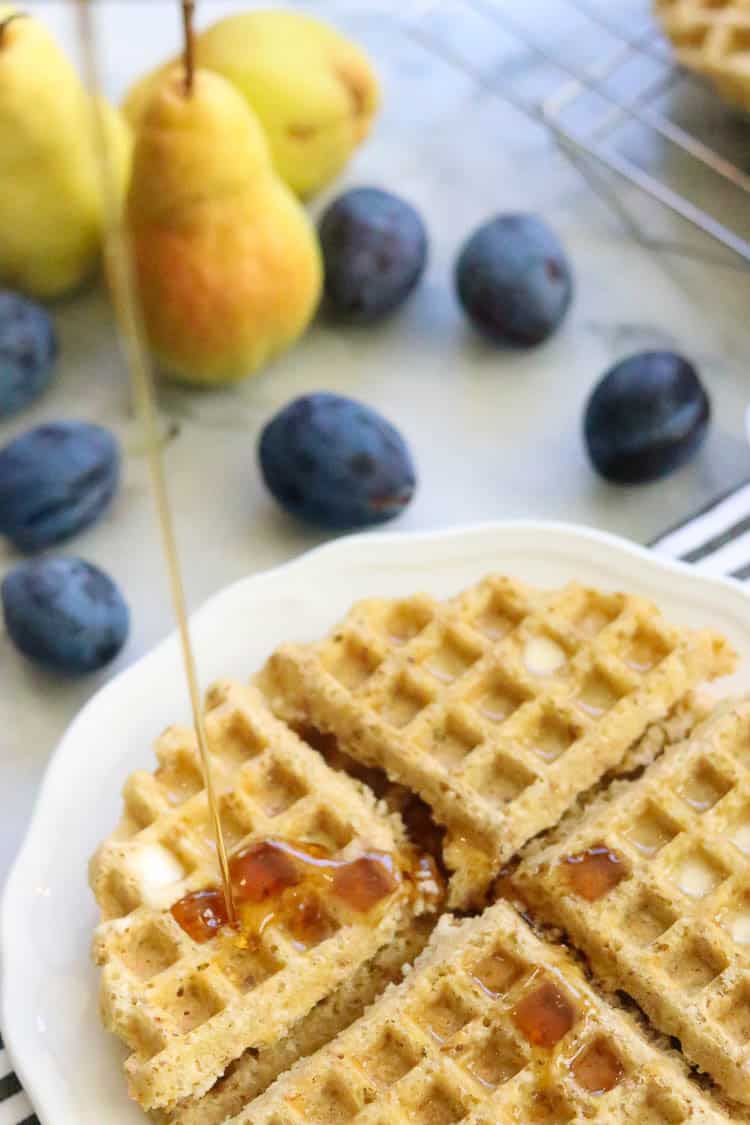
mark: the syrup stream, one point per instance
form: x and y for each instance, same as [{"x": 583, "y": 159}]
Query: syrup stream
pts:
[
  {"x": 128, "y": 312},
  {"x": 188, "y": 12}
]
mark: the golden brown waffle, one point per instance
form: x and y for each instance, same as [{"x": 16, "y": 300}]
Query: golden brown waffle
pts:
[
  {"x": 712, "y": 37},
  {"x": 498, "y": 707},
  {"x": 185, "y": 1008},
  {"x": 254, "y": 1071},
  {"x": 492, "y": 1025},
  {"x": 653, "y": 884},
  {"x": 678, "y": 725}
]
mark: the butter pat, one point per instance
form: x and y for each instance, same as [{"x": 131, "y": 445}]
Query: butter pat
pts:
[
  {"x": 697, "y": 877},
  {"x": 154, "y": 867},
  {"x": 543, "y": 656}
]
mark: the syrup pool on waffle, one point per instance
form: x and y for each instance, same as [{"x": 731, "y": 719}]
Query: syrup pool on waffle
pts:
[{"x": 290, "y": 883}]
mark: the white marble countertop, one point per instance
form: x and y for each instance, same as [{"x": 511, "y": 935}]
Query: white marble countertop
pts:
[{"x": 494, "y": 434}]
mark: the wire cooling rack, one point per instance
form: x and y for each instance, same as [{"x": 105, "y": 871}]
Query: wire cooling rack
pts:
[{"x": 608, "y": 88}]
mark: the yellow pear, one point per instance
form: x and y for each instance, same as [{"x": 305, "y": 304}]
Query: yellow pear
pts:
[
  {"x": 314, "y": 92},
  {"x": 51, "y": 207},
  {"x": 228, "y": 264}
]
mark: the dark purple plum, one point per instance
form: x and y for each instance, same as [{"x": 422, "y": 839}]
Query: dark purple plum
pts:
[
  {"x": 55, "y": 480},
  {"x": 514, "y": 280},
  {"x": 336, "y": 462},
  {"x": 64, "y": 614},
  {"x": 374, "y": 251},
  {"x": 28, "y": 350},
  {"x": 646, "y": 417}
]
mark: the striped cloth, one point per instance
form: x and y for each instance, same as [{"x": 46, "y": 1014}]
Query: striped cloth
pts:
[
  {"x": 15, "y": 1107},
  {"x": 716, "y": 539}
]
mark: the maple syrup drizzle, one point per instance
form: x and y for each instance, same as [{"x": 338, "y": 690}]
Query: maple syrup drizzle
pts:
[
  {"x": 129, "y": 315},
  {"x": 597, "y": 1068},
  {"x": 544, "y": 1015},
  {"x": 505, "y": 888},
  {"x": 496, "y": 974},
  {"x": 594, "y": 872},
  {"x": 427, "y": 879},
  {"x": 424, "y": 857},
  {"x": 292, "y": 883},
  {"x": 201, "y": 914}
]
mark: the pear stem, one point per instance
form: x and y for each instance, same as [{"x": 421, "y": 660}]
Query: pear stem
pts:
[
  {"x": 188, "y": 11},
  {"x": 8, "y": 21}
]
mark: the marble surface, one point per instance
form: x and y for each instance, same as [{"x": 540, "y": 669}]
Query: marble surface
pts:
[{"x": 494, "y": 434}]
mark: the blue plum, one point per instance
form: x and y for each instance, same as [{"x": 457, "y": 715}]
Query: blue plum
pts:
[
  {"x": 55, "y": 480},
  {"x": 65, "y": 614},
  {"x": 28, "y": 350},
  {"x": 375, "y": 251},
  {"x": 646, "y": 417},
  {"x": 337, "y": 463},
  {"x": 514, "y": 280}
]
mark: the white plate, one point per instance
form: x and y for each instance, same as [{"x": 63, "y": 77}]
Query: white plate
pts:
[{"x": 69, "y": 1067}]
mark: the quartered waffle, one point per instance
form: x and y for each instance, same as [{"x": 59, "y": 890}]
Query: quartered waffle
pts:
[
  {"x": 492, "y": 1025},
  {"x": 498, "y": 707},
  {"x": 678, "y": 725},
  {"x": 186, "y": 1007},
  {"x": 712, "y": 37},
  {"x": 254, "y": 1071},
  {"x": 653, "y": 884}
]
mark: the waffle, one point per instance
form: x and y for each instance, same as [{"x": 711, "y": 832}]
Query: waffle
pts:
[
  {"x": 712, "y": 37},
  {"x": 188, "y": 1008},
  {"x": 653, "y": 884},
  {"x": 678, "y": 725},
  {"x": 253, "y": 1072},
  {"x": 492, "y": 1025},
  {"x": 497, "y": 707}
]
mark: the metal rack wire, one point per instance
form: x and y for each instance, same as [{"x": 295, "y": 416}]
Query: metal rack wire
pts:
[{"x": 592, "y": 106}]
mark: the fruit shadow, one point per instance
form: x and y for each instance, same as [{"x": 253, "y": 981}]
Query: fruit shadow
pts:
[
  {"x": 484, "y": 354},
  {"x": 646, "y": 512},
  {"x": 293, "y": 536}
]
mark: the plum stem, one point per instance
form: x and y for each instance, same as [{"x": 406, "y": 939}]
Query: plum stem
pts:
[
  {"x": 188, "y": 12},
  {"x": 4, "y": 24}
]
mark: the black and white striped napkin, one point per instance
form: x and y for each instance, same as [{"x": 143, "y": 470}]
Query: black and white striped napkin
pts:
[
  {"x": 15, "y": 1107},
  {"x": 716, "y": 539}
]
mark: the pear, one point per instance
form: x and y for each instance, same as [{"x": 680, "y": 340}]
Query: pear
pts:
[
  {"x": 227, "y": 262},
  {"x": 51, "y": 211},
  {"x": 314, "y": 92}
]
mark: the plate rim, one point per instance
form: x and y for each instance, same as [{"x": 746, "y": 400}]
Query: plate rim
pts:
[{"x": 35, "y": 1086}]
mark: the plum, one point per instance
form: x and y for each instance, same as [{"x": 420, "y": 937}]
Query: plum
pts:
[
  {"x": 374, "y": 250},
  {"x": 55, "y": 480},
  {"x": 514, "y": 281},
  {"x": 647, "y": 415},
  {"x": 28, "y": 350},
  {"x": 65, "y": 614},
  {"x": 335, "y": 462}
]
